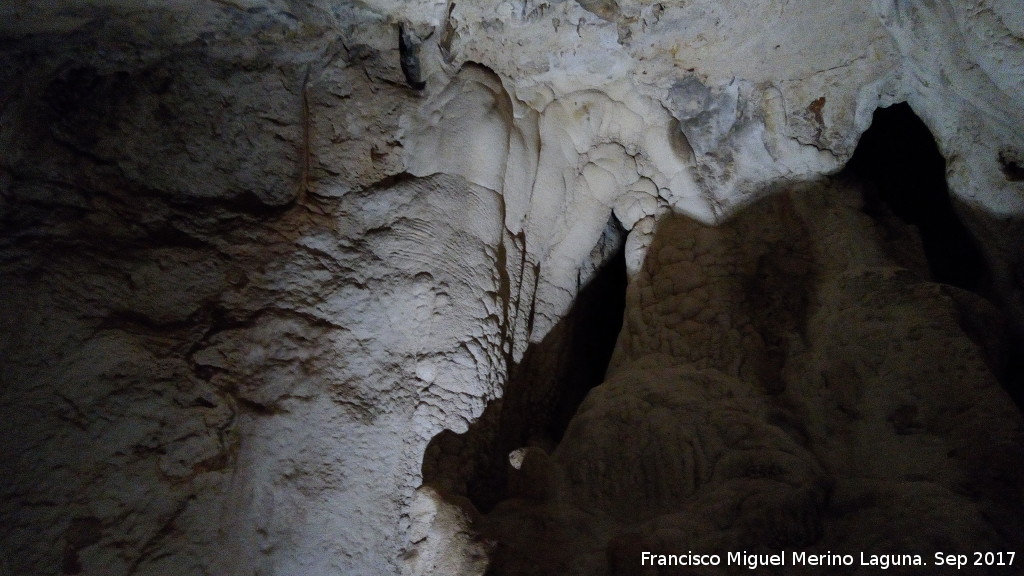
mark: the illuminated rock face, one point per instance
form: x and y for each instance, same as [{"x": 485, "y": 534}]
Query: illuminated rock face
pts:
[{"x": 266, "y": 269}]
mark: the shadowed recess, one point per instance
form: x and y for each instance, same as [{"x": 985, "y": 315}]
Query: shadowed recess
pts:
[
  {"x": 904, "y": 176},
  {"x": 544, "y": 389},
  {"x": 898, "y": 159}
]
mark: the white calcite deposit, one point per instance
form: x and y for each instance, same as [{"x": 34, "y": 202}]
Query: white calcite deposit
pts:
[{"x": 252, "y": 270}]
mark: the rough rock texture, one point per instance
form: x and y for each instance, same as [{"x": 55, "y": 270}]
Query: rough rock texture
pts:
[
  {"x": 781, "y": 382},
  {"x": 204, "y": 401},
  {"x": 253, "y": 269}
]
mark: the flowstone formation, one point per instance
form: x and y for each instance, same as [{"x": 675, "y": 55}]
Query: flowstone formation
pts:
[
  {"x": 782, "y": 382},
  {"x": 287, "y": 281}
]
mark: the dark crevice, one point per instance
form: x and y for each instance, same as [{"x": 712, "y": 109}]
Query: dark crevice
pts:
[
  {"x": 905, "y": 174},
  {"x": 594, "y": 325},
  {"x": 409, "y": 54},
  {"x": 1012, "y": 165},
  {"x": 544, "y": 389}
]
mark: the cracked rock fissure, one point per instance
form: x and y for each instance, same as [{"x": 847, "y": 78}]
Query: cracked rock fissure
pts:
[{"x": 544, "y": 389}]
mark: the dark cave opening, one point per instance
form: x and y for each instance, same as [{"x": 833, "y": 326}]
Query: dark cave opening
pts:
[
  {"x": 544, "y": 389},
  {"x": 593, "y": 328},
  {"x": 547, "y": 386},
  {"x": 905, "y": 175}
]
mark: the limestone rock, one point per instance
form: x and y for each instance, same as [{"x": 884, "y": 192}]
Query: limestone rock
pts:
[
  {"x": 779, "y": 384},
  {"x": 251, "y": 276}
]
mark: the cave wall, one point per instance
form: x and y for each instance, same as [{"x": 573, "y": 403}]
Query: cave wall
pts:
[
  {"x": 251, "y": 269},
  {"x": 781, "y": 382}
]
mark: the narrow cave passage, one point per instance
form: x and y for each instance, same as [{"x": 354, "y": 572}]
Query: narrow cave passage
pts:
[
  {"x": 905, "y": 174},
  {"x": 547, "y": 387},
  {"x": 544, "y": 389},
  {"x": 593, "y": 327}
]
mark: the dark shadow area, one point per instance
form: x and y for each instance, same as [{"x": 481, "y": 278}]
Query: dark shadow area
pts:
[
  {"x": 904, "y": 178},
  {"x": 898, "y": 160},
  {"x": 593, "y": 328},
  {"x": 544, "y": 389}
]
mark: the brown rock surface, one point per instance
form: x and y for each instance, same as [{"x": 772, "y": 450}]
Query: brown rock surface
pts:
[{"x": 780, "y": 383}]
